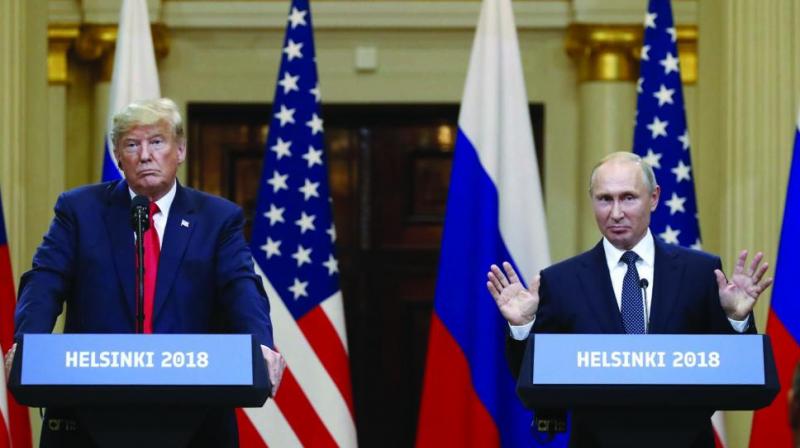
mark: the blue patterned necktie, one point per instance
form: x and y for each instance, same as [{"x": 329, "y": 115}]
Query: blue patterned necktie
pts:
[{"x": 632, "y": 308}]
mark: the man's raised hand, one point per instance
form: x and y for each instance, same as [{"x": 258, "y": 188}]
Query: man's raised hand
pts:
[
  {"x": 739, "y": 294},
  {"x": 517, "y": 304}
]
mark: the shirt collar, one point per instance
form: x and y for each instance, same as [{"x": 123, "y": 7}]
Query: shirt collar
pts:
[
  {"x": 645, "y": 249},
  {"x": 166, "y": 201}
]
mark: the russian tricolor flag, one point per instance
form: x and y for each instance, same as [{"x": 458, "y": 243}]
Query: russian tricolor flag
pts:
[
  {"x": 15, "y": 428},
  {"x": 771, "y": 424},
  {"x": 494, "y": 213},
  {"x": 135, "y": 75}
]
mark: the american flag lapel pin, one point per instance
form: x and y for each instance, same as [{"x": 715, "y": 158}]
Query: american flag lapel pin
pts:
[{"x": 184, "y": 223}]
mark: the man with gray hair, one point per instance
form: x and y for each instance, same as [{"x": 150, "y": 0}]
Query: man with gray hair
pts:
[
  {"x": 201, "y": 277},
  {"x": 629, "y": 282}
]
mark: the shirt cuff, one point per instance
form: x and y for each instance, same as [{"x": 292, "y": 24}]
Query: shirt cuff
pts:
[
  {"x": 740, "y": 326},
  {"x": 521, "y": 332}
]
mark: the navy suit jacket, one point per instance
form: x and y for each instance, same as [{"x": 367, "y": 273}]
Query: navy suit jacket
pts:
[
  {"x": 576, "y": 296},
  {"x": 205, "y": 281}
]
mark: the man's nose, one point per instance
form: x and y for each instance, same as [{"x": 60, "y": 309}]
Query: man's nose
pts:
[
  {"x": 146, "y": 153},
  {"x": 616, "y": 211}
]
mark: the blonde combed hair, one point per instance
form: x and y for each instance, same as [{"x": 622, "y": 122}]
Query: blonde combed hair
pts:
[{"x": 147, "y": 113}]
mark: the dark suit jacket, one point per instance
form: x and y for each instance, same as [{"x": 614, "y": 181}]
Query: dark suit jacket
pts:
[
  {"x": 206, "y": 282},
  {"x": 576, "y": 296}
]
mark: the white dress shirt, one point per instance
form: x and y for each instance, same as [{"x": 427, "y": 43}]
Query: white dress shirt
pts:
[{"x": 160, "y": 218}]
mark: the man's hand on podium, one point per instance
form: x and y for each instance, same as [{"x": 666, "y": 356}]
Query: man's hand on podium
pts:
[
  {"x": 275, "y": 366},
  {"x": 9, "y": 359},
  {"x": 517, "y": 304}
]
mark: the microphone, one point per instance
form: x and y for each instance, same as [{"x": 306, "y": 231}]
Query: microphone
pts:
[
  {"x": 140, "y": 221},
  {"x": 643, "y": 283},
  {"x": 140, "y": 208}
]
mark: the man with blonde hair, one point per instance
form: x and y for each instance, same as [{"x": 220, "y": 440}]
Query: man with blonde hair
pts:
[{"x": 202, "y": 278}]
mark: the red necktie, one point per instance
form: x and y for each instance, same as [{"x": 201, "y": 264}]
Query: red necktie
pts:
[{"x": 152, "y": 250}]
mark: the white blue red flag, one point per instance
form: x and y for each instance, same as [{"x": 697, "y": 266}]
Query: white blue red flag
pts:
[
  {"x": 135, "y": 75},
  {"x": 15, "y": 427},
  {"x": 770, "y": 424},
  {"x": 494, "y": 213},
  {"x": 293, "y": 246},
  {"x": 661, "y": 138}
]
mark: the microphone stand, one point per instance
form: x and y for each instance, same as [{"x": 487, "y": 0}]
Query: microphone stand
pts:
[{"x": 141, "y": 225}]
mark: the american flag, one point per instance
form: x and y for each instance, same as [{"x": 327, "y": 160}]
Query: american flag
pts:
[
  {"x": 293, "y": 247},
  {"x": 661, "y": 138}
]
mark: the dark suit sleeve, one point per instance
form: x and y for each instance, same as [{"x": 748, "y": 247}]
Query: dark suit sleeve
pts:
[
  {"x": 43, "y": 289},
  {"x": 240, "y": 290}
]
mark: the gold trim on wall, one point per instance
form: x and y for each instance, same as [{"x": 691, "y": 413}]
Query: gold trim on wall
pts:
[
  {"x": 91, "y": 43},
  {"x": 612, "y": 52},
  {"x": 59, "y": 40}
]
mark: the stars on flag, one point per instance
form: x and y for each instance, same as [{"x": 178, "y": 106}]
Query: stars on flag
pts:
[
  {"x": 661, "y": 136},
  {"x": 298, "y": 288},
  {"x": 293, "y": 50},
  {"x": 664, "y": 95},
  {"x": 315, "y": 123},
  {"x": 271, "y": 248},
  {"x": 684, "y": 139},
  {"x": 295, "y": 189},
  {"x": 302, "y": 255},
  {"x": 681, "y": 172},
  {"x": 658, "y": 128},
  {"x": 305, "y": 222},
  {"x": 652, "y": 159},
  {"x": 650, "y": 19},
  {"x": 297, "y": 18},
  {"x": 332, "y": 233},
  {"x": 670, "y": 64},
  {"x": 281, "y": 148},
  {"x": 285, "y": 115},
  {"x": 332, "y": 265},
  {"x": 275, "y": 214},
  {"x": 672, "y": 35},
  {"x": 313, "y": 156},
  {"x": 675, "y": 204},
  {"x": 278, "y": 181},
  {"x": 289, "y": 82},
  {"x": 670, "y": 235},
  {"x": 315, "y": 91},
  {"x": 309, "y": 190}
]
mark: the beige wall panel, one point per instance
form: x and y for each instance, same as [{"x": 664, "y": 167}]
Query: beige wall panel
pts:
[
  {"x": 81, "y": 155},
  {"x": 749, "y": 79},
  {"x": 414, "y": 66}
]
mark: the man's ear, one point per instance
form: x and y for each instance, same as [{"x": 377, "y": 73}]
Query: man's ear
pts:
[
  {"x": 181, "y": 151},
  {"x": 654, "y": 198}
]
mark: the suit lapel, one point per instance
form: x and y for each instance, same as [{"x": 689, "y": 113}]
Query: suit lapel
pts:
[
  {"x": 599, "y": 292},
  {"x": 667, "y": 279},
  {"x": 122, "y": 243},
  {"x": 177, "y": 234}
]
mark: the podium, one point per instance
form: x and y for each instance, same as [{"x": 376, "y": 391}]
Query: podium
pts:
[
  {"x": 138, "y": 390},
  {"x": 646, "y": 390}
]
